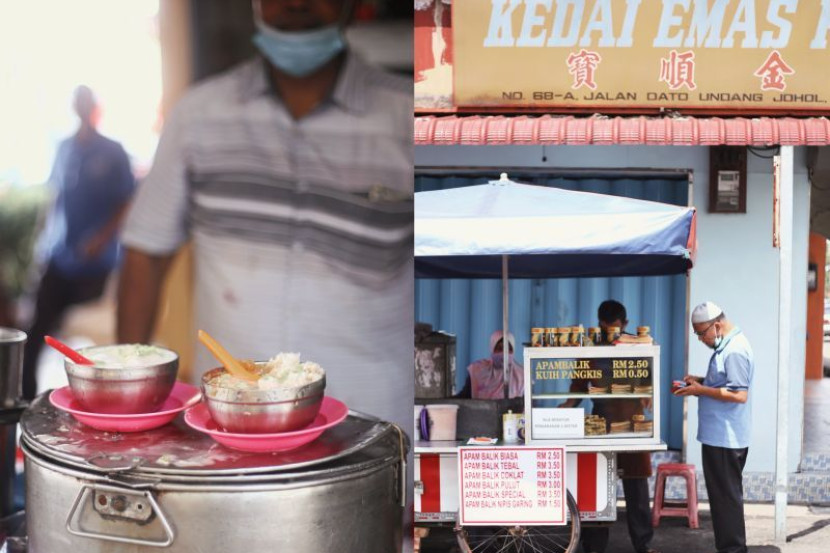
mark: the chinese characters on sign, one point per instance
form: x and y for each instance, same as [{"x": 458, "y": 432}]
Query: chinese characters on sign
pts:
[
  {"x": 765, "y": 54},
  {"x": 512, "y": 486},
  {"x": 678, "y": 70},
  {"x": 772, "y": 71},
  {"x": 582, "y": 67}
]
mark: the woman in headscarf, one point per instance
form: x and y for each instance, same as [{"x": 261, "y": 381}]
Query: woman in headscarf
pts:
[{"x": 485, "y": 377}]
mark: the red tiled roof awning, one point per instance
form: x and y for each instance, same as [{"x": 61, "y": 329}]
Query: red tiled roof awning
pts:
[{"x": 603, "y": 130}]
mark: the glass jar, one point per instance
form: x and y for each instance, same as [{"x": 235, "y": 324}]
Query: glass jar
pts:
[
  {"x": 577, "y": 335},
  {"x": 551, "y": 340}
]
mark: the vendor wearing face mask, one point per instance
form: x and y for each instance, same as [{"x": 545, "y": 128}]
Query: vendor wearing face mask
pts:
[
  {"x": 724, "y": 421},
  {"x": 485, "y": 377}
]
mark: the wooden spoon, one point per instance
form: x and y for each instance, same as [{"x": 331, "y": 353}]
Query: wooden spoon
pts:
[
  {"x": 228, "y": 361},
  {"x": 73, "y": 355}
]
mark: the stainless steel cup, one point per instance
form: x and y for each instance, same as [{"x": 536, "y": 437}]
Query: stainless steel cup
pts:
[{"x": 11, "y": 365}]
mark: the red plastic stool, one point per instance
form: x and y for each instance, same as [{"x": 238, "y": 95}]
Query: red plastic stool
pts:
[{"x": 662, "y": 509}]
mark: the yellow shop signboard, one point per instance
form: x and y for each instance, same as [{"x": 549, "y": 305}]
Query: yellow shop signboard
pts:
[{"x": 756, "y": 55}]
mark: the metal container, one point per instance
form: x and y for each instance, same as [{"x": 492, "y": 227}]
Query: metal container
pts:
[
  {"x": 121, "y": 390},
  {"x": 11, "y": 366},
  {"x": 11, "y": 363},
  {"x": 262, "y": 411},
  {"x": 176, "y": 489}
]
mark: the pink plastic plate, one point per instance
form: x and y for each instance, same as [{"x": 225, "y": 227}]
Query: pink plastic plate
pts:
[
  {"x": 181, "y": 397},
  {"x": 332, "y": 412}
]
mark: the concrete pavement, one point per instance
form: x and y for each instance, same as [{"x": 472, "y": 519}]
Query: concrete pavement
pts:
[{"x": 808, "y": 531}]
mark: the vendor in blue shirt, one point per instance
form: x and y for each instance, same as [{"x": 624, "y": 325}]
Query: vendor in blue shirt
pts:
[{"x": 724, "y": 421}]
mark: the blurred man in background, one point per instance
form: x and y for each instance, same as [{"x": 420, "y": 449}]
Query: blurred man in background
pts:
[
  {"x": 292, "y": 175},
  {"x": 92, "y": 183}
]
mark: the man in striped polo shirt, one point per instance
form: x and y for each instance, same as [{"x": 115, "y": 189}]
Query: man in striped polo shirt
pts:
[{"x": 292, "y": 176}]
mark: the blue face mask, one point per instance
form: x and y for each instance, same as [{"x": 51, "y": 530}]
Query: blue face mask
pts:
[
  {"x": 299, "y": 53},
  {"x": 498, "y": 359},
  {"x": 718, "y": 341}
]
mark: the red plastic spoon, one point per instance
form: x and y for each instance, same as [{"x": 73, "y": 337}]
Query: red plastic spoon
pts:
[{"x": 73, "y": 355}]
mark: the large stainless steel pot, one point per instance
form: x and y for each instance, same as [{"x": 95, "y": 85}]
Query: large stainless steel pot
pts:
[{"x": 175, "y": 489}]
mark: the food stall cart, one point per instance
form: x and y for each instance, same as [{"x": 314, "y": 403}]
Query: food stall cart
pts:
[{"x": 488, "y": 231}]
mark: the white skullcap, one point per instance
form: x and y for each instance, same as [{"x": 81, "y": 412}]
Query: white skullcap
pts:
[{"x": 706, "y": 312}]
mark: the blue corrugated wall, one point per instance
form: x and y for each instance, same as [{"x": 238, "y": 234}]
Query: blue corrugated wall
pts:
[{"x": 471, "y": 309}]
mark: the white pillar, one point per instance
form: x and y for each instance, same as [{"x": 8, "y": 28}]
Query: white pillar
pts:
[
  {"x": 505, "y": 343},
  {"x": 783, "y": 165}
]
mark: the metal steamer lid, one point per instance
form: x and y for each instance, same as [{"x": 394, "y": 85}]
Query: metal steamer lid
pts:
[{"x": 176, "y": 452}]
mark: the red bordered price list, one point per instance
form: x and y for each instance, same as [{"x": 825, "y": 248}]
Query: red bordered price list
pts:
[{"x": 521, "y": 485}]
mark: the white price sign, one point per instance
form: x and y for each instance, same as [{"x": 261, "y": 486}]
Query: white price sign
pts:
[{"x": 511, "y": 485}]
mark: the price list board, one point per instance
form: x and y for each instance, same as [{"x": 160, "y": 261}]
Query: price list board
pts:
[
  {"x": 592, "y": 396},
  {"x": 511, "y": 485}
]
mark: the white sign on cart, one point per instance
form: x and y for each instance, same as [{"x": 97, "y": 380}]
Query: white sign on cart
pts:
[
  {"x": 558, "y": 423},
  {"x": 512, "y": 486}
]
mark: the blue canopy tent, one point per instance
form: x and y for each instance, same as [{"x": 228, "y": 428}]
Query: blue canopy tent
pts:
[{"x": 542, "y": 232}]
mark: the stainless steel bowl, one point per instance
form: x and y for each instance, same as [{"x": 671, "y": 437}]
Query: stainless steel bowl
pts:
[
  {"x": 262, "y": 411},
  {"x": 121, "y": 391}
]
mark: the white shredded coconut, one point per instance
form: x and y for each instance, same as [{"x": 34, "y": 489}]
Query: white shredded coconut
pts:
[
  {"x": 282, "y": 371},
  {"x": 125, "y": 356}
]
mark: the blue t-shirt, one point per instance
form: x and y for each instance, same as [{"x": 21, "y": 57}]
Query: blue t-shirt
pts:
[
  {"x": 92, "y": 181},
  {"x": 724, "y": 423}
]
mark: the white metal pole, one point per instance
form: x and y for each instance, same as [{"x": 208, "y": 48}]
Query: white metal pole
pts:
[
  {"x": 783, "y": 163},
  {"x": 505, "y": 343}
]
